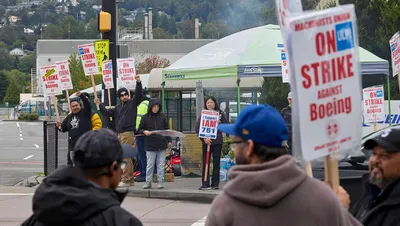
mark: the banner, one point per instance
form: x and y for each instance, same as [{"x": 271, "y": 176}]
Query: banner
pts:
[
  {"x": 89, "y": 61},
  {"x": 65, "y": 75},
  {"x": 326, "y": 81},
  {"x": 373, "y": 102},
  {"x": 395, "y": 50},
  {"x": 108, "y": 74},
  {"x": 50, "y": 80},
  {"x": 127, "y": 72},
  {"x": 208, "y": 124}
]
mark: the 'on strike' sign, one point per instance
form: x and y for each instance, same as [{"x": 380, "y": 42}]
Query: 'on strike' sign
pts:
[
  {"x": 327, "y": 85},
  {"x": 127, "y": 72},
  {"x": 108, "y": 74},
  {"x": 65, "y": 75},
  {"x": 50, "y": 80},
  {"x": 89, "y": 60},
  {"x": 208, "y": 124},
  {"x": 374, "y": 107}
]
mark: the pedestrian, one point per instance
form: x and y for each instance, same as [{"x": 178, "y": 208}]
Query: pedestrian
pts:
[
  {"x": 287, "y": 115},
  {"x": 211, "y": 104},
  {"x": 380, "y": 202},
  {"x": 95, "y": 117},
  {"x": 124, "y": 115},
  {"x": 140, "y": 143},
  {"x": 76, "y": 123},
  {"x": 266, "y": 187},
  {"x": 155, "y": 144},
  {"x": 84, "y": 194}
]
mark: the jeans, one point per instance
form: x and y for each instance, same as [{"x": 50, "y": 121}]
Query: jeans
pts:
[
  {"x": 215, "y": 152},
  {"x": 142, "y": 156},
  {"x": 155, "y": 157}
]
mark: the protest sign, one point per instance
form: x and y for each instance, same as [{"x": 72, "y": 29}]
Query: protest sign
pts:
[
  {"x": 50, "y": 80},
  {"x": 395, "y": 52},
  {"x": 374, "y": 108},
  {"x": 65, "y": 75},
  {"x": 208, "y": 124},
  {"x": 285, "y": 69},
  {"x": 89, "y": 61},
  {"x": 326, "y": 80},
  {"x": 102, "y": 50},
  {"x": 127, "y": 72},
  {"x": 108, "y": 74}
]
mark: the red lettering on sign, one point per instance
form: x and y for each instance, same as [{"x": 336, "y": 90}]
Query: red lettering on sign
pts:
[
  {"x": 336, "y": 107},
  {"x": 325, "y": 43}
]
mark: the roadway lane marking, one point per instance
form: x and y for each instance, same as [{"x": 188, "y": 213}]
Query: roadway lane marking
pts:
[
  {"x": 16, "y": 194},
  {"x": 200, "y": 222},
  {"x": 28, "y": 157},
  {"x": 20, "y": 135},
  {"x": 36, "y": 146},
  {"x": 21, "y": 138},
  {"x": 18, "y": 125}
]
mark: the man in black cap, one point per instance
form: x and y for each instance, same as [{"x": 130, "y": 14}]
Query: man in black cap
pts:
[
  {"x": 124, "y": 116},
  {"x": 380, "y": 203},
  {"x": 84, "y": 194},
  {"x": 76, "y": 123}
]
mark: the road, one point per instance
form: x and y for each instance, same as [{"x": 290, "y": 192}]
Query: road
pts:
[
  {"x": 21, "y": 151},
  {"x": 16, "y": 207}
]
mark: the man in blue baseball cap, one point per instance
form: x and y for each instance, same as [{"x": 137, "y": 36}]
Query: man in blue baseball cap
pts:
[{"x": 266, "y": 184}]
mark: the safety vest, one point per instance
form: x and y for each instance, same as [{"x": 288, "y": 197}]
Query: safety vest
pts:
[{"x": 141, "y": 110}]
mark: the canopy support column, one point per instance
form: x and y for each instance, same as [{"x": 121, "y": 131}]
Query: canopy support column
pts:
[
  {"x": 162, "y": 96},
  {"x": 238, "y": 95}
]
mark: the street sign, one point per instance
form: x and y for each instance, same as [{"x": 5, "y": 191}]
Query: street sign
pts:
[{"x": 102, "y": 50}]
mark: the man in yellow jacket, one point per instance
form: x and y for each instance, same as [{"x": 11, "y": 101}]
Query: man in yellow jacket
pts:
[
  {"x": 96, "y": 120},
  {"x": 141, "y": 110}
]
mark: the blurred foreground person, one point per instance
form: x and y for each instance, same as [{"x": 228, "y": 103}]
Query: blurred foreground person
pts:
[
  {"x": 380, "y": 203},
  {"x": 84, "y": 194},
  {"x": 266, "y": 187}
]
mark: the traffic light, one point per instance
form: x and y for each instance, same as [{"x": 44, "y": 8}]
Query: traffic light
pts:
[{"x": 104, "y": 22}]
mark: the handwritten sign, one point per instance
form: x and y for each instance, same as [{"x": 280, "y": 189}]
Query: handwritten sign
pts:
[
  {"x": 50, "y": 80},
  {"x": 89, "y": 61},
  {"x": 374, "y": 107},
  {"x": 395, "y": 50},
  {"x": 65, "y": 75},
  {"x": 326, "y": 82},
  {"x": 127, "y": 72},
  {"x": 208, "y": 124},
  {"x": 102, "y": 50},
  {"x": 108, "y": 74}
]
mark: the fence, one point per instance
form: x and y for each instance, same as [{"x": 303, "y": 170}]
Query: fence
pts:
[{"x": 55, "y": 146}]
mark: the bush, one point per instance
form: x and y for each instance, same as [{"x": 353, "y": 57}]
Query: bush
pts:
[
  {"x": 30, "y": 117},
  {"x": 226, "y": 146},
  {"x": 22, "y": 116}
]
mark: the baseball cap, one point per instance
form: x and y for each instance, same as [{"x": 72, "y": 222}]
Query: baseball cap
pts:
[
  {"x": 388, "y": 139},
  {"x": 122, "y": 91},
  {"x": 98, "y": 148},
  {"x": 289, "y": 96},
  {"x": 261, "y": 123}
]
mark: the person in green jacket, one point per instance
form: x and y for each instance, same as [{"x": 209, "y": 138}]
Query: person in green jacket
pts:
[{"x": 141, "y": 111}]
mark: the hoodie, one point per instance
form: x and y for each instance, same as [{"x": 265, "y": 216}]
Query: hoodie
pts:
[
  {"x": 276, "y": 193},
  {"x": 154, "y": 121},
  {"x": 66, "y": 197}
]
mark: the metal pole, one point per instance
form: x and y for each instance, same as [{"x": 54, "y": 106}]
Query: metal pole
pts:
[
  {"x": 163, "y": 96},
  {"x": 238, "y": 96},
  {"x": 45, "y": 147},
  {"x": 389, "y": 107}
]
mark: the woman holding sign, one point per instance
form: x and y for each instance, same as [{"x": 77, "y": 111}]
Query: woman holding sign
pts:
[{"x": 215, "y": 147}]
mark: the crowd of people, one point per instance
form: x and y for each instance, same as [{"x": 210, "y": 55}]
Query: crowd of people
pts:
[{"x": 264, "y": 186}]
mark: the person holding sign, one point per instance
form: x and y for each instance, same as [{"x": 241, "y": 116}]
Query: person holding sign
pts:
[
  {"x": 76, "y": 123},
  {"x": 287, "y": 115},
  {"x": 266, "y": 187},
  {"x": 96, "y": 120},
  {"x": 124, "y": 115},
  {"x": 211, "y": 145}
]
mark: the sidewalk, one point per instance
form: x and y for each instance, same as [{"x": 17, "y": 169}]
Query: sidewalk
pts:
[{"x": 181, "y": 189}]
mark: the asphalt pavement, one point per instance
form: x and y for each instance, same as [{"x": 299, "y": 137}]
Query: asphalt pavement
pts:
[
  {"x": 16, "y": 204},
  {"x": 21, "y": 151}
]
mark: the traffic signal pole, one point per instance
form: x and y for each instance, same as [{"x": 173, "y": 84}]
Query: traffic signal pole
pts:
[{"x": 110, "y": 6}]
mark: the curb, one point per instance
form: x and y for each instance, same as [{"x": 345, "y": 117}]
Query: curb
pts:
[{"x": 182, "y": 195}]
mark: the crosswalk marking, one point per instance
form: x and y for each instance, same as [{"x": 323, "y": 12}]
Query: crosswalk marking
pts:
[{"x": 200, "y": 222}]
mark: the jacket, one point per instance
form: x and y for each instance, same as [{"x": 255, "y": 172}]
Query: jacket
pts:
[
  {"x": 124, "y": 114},
  {"x": 287, "y": 115},
  {"x": 78, "y": 124},
  {"x": 220, "y": 138},
  {"x": 96, "y": 121},
  {"x": 66, "y": 198},
  {"x": 276, "y": 193},
  {"x": 377, "y": 207},
  {"x": 151, "y": 122},
  {"x": 142, "y": 110}
]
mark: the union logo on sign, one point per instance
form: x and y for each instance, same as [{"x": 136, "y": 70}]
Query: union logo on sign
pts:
[
  {"x": 81, "y": 51},
  {"x": 344, "y": 36},
  {"x": 332, "y": 129}
]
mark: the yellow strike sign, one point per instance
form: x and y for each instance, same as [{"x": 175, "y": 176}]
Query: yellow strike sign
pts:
[
  {"x": 49, "y": 72},
  {"x": 102, "y": 51}
]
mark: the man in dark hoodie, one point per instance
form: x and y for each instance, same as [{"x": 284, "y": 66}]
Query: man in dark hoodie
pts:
[
  {"x": 76, "y": 123},
  {"x": 155, "y": 144},
  {"x": 85, "y": 194},
  {"x": 124, "y": 116},
  {"x": 266, "y": 187}
]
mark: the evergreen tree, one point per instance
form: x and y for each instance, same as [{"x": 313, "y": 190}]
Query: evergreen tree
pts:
[{"x": 12, "y": 93}]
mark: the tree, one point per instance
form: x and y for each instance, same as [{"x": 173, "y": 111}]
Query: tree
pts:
[
  {"x": 79, "y": 80},
  {"x": 3, "y": 85},
  {"x": 274, "y": 92},
  {"x": 159, "y": 33},
  {"x": 172, "y": 26},
  {"x": 12, "y": 93},
  {"x": 149, "y": 63},
  {"x": 23, "y": 80},
  {"x": 214, "y": 30},
  {"x": 26, "y": 63},
  {"x": 52, "y": 31}
]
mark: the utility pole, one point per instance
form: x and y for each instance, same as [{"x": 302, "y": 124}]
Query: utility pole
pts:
[{"x": 110, "y": 6}]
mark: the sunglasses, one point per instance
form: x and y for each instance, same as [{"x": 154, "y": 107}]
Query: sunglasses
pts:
[{"x": 233, "y": 144}]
